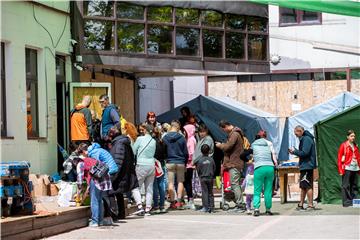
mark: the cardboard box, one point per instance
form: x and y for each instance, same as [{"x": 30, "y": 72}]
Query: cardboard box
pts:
[
  {"x": 41, "y": 185},
  {"x": 54, "y": 190}
]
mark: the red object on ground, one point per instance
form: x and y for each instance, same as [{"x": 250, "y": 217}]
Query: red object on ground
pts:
[{"x": 226, "y": 181}]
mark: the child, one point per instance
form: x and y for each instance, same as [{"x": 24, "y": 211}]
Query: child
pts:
[
  {"x": 97, "y": 186},
  {"x": 248, "y": 185},
  {"x": 191, "y": 143},
  {"x": 205, "y": 166}
]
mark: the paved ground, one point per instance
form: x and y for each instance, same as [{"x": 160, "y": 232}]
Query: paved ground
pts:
[{"x": 328, "y": 222}]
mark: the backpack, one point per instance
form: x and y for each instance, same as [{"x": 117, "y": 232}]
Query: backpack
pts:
[{"x": 99, "y": 170}]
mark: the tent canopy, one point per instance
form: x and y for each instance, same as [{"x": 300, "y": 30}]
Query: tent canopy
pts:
[
  {"x": 311, "y": 116},
  {"x": 330, "y": 133},
  {"x": 211, "y": 110},
  {"x": 340, "y": 7}
]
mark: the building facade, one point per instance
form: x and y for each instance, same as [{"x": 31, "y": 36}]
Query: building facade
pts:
[
  {"x": 35, "y": 68},
  {"x": 314, "y": 56}
]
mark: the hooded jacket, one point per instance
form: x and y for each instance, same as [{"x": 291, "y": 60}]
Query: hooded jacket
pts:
[
  {"x": 190, "y": 143},
  {"x": 95, "y": 151},
  {"x": 125, "y": 179},
  {"x": 80, "y": 123},
  {"x": 232, "y": 150},
  {"x": 306, "y": 152},
  {"x": 346, "y": 150},
  {"x": 176, "y": 148}
]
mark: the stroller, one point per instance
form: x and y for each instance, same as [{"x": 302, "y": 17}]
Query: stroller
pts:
[{"x": 227, "y": 195}]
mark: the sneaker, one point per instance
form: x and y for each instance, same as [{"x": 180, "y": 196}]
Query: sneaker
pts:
[
  {"x": 163, "y": 210},
  {"x": 107, "y": 221},
  {"x": 172, "y": 206},
  {"x": 269, "y": 213},
  {"x": 93, "y": 224},
  {"x": 139, "y": 212},
  {"x": 211, "y": 210},
  {"x": 248, "y": 212},
  {"x": 204, "y": 210},
  {"x": 191, "y": 205},
  {"x": 310, "y": 208},
  {"x": 300, "y": 208},
  {"x": 256, "y": 213},
  {"x": 147, "y": 213},
  {"x": 156, "y": 211}
]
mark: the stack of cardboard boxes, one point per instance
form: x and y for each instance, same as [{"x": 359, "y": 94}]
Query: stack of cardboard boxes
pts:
[{"x": 42, "y": 186}]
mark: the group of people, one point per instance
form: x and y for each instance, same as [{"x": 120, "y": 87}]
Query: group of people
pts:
[{"x": 172, "y": 160}]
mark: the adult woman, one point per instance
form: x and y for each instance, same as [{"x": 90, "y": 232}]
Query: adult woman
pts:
[
  {"x": 191, "y": 144},
  {"x": 187, "y": 117},
  {"x": 159, "y": 182},
  {"x": 125, "y": 179},
  {"x": 130, "y": 131},
  {"x": 144, "y": 149},
  {"x": 151, "y": 120},
  {"x": 349, "y": 167},
  {"x": 264, "y": 162}
]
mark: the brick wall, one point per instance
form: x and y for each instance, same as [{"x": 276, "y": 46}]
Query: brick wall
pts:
[{"x": 277, "y": 97}]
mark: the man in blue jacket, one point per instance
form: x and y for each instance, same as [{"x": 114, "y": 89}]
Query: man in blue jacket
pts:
[
  {"x": 177, "y": 157},
  {"x": 110, "y": 116},
  {"x": 307, "y": 164}
]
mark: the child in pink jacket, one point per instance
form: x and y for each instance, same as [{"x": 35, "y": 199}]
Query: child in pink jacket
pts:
[{"x": 191, "y": 143}]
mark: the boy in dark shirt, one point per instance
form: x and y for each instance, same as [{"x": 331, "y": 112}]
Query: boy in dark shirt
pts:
[{"x": 205, "y": 166}]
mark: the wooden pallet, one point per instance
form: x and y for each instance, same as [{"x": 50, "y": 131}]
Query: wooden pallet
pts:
[{"x": 44, "y": 225}]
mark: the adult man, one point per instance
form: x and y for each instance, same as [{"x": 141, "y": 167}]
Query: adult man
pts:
[
  {"x": 177, "y": 157},
  {"x": 307, "y": 163},
  {"x": 81, "y": 122},
  {"x": 232, "y": 162},
  {"x": 110, "y": 116}
]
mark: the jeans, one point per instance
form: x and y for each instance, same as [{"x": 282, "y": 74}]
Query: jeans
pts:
[
  {"x": 95, "y": 203},
  {"x": 188, "y": 183},
  {"x": 207, "y": 193},
  {"x": 349, "y": 187},
  {"x": 145, "y": 175},
  {"x": 249, "y": 199},
  {"x": 159, "y": 191},
  {"x": 263, "y": 177},
  {"x": 235, "y": 177}
]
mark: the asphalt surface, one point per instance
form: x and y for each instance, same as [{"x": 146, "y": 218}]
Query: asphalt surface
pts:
[{"x": 327, "y": 222}]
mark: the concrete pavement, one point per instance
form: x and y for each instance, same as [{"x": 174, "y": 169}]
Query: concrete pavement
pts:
[{"x": 328, "y": 222}]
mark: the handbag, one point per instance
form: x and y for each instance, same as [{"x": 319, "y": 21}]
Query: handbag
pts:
[
  {"x": 99, "y": 170},
  {"x": 158, "y": 169}
]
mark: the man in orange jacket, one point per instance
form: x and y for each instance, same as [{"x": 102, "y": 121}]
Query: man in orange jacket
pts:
[{"x": 81, "y": 122}]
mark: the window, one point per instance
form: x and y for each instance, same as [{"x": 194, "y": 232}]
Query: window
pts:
[
  {"x": 123, "y": 27},
  {"x": 187, "y": 16},
  {"x": 60, "y": 68},
  {"x": 288, "y": 17},
  {"x": 98, "y": 35},
  {"x": 32, "y": 93},
  {"x": 187, "y": 41},
  {"x": 235, "y": 22},
  {"x": 211, "y": 19},
  {"x": 129, "y": 11},
  {"x": 355, "y": 74},
  {"x": 160, "y": 39},
  {"x": 212, "y": 42},
  {"x": 98, "y": 8},
  {"x": 257, "y": 47},
  {"x": 235, "y": 45},
  {"x": 130, "y": 37},
  {"x": 3, "y": 92},
  {"x": 160, "y": 14}
]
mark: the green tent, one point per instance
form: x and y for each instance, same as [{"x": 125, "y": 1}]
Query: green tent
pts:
[
  {"x": 330, "y": 133},
  {"x": 341, "y": 7}
]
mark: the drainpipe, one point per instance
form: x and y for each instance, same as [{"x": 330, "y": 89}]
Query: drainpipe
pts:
[{"x": 348, "y": 79}]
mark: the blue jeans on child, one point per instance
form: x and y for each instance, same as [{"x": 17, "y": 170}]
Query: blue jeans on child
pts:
[
  {"x": 95, "y": 203},
  {"x": 159, "y": 189}
]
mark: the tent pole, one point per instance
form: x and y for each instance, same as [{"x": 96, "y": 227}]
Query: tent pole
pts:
[{"x": 348, "y": 79}]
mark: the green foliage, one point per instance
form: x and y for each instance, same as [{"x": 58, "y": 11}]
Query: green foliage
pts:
[
  {"x": 187, "y": 16},
  {"x": 211, "y": 18},
  {"x": 131, "y": 37},
  {"x": 160, "y": 39},
  {"x": 257, "y": 47},
  {"x": 187, "y": 41},
  {"x": 212, "y": 42},
  {"x": 98, "y": 8},
  {"x": 160, "y": 14},
  {"x": 129, "y": 11},
  {"x": 98, "y": 35},
  {"x": 235, "y": 45},
  {"x": 257, "y": 24},
  {"x": 235, "y": 21}
]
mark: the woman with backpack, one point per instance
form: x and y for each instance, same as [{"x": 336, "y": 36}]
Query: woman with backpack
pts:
[
  {"x": 144, "y": 149},
  {"x": 99, "y": 183}
]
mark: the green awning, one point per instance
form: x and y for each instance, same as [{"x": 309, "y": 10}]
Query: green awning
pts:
[{"x": 344, "y": 7}]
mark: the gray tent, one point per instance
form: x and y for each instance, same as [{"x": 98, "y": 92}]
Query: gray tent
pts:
[
  {"x": 210, "y": 110},
  {"x": 311, "y": 116}
]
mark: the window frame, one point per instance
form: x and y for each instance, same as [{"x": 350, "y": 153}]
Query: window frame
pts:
[
  {"x": 174, "y": 25},
  {"x": 33, "y": 79},
  {"x": 299, "y": 18},
  {"x": 3, "y": 92}
]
